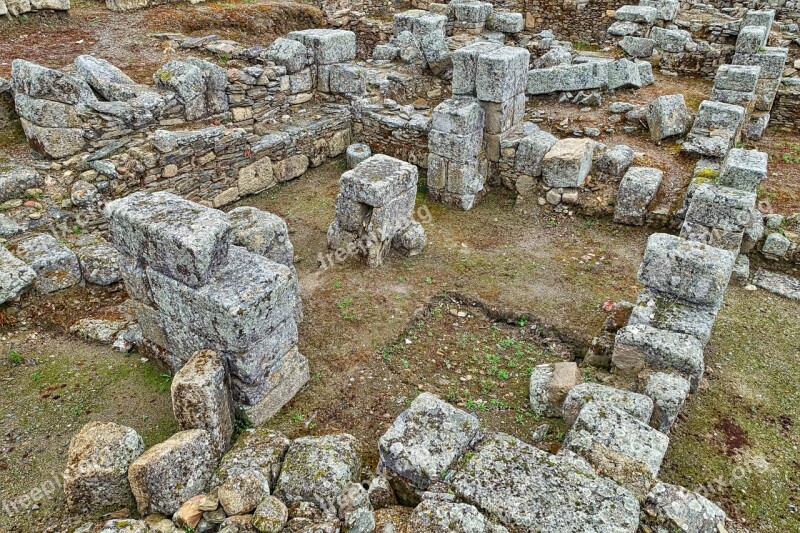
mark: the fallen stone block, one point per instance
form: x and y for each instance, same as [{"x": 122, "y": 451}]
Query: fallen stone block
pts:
[
  {"x": 262, "y": 233},
  {"x": 440, "y": 517},
  {"x": 424, "y": 442},
  {"x": 282, "y": 384},
  {"x": 56, "y": 266},
  {"x": 622, "y": 28},
  {"x": 506, "y": 22},
  {"x": 636, "y": 190},
  {"x": 667, "y": 9},
  {"x": 637, "y": 405},
  {"x": 618, "y": 445},
  {"x": 751, "y": 39},
  {"x": 568, "y": 162},
  {"x": 316, "y": 469},
  {"x": 578, "y": 77},
  {"x": 328, "y": 46},
  {"x": 201, "y": 398},
  {"x": 472, "y": 11},
  {"x": 668, "y": 392},
  {"x": 410, "y": 241},
  {"x": 174, "y": 236},
  {"x": 743, "y": 169},
  {"x": 637, "y": 46},
  {"x": 641, "y": 347},
  {"x": 96, "y": 477},
  {"x": 668, "y": 116},
  {"x": 501, "y": 74},
  {"x": 672, "y": 507},
  {"x": 623, "y": 73},
  {"x": 759, "y": 17},
  {"x": 778, "y": 283},
  {"x": 688, "y": 270},
  {"x": 199, "y": 85},
  {"x": 640, "y": 13},
  {"x": 645, "y": 73},
  {"x": 556, "y": 56},
  {"x": 615, "y": 161},
  {"x": 37, "y": 81},
  {"x": 529, "y": 490},
  {"x": 100, "y": 263},
  {"x": 549, "y": 385},
  {"x": 772, "y": 61},
  {"x": 15, "y": 276},
  {"x": 667, "y": 40},
  {"x": 170, "y": 473},
  {"x": 106, "y": 79},
  {"x": 289, "y": 53},
  {"x": 667, "y": 312},
  {"x": 530, "y": 152},
  {"x": 776, "y": 245},
  {"x": 261, "y": 450}
]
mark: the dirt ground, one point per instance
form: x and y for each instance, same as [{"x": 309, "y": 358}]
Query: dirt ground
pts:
[{"x": 493, "y": 294}]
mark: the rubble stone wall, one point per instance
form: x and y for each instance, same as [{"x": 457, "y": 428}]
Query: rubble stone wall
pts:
[
  {"x": 784, "y": 109},
  {"x": 585, "y": 20}
]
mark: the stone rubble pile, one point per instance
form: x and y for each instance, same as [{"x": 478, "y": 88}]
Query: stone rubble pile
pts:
[
  {"x": 186, "y": 275},
  {"x": 375, "y": 210},
  {"x": 15, "y": 8}
]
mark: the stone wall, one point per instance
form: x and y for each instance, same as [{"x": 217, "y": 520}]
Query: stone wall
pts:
[
  {"x": 576, "y": 20},
  {"x": 15, "y": 8},
  {"x": 785, "y": 108}
]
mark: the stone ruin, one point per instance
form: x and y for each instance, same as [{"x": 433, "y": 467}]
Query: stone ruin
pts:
[{"x": 217, "y": 297}]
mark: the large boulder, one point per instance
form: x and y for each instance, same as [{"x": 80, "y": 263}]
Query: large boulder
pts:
[
  {"x": 96, "y": 477},
  {"x": 668, "y": 116},
  {"x": 170, "y": 473}
]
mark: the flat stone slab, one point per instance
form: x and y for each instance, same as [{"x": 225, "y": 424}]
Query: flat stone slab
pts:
[
  {"x": 637, "y": 405},
  {"x": 529, "y": 490},
  {"x": 675, "y": 508},
  {"x": 577, "y": 77},
  {"x": 378, "y": 180},
  {"x": 780, "y": 284},
  {"x": 316, "y": 469},
  {"x": 426, "y": 439},
  {"x": 673, "y": 314},
  {"x": 176, "y": 237}
]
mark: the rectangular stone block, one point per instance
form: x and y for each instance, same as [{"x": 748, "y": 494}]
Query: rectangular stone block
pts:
[
  {"x": 740, "y": 98},
  {"x": 281, "y": 386},
  {"x": 378, "y": 180},
  {"x": 454, "y": 147},
  {"x": 568, "y": 162},
  {"x": 253, "y": 365},
  {"x": 636, "y": 405},
  {"x": 329, "y": 46},
  {"x": 687, "y": 270},
  {"x": 666, "y": 312},
  {"x": 721, "y": 207},
  {"x": 624, "y": 73},
  {"x": 501, "y": 74},
  {"x": 670, "y": 40},
  {"x": 347, "y": 79},
  {"x": 461, "y": 115},
  {"x": 667, "y": 9},
  {"x": 472, "y": 11},
  {"x": 502, "y": 116},
  {"x": 506, "y": 22},
  {"x": 636, "y": 190},
  {"x": 743, "y": 169},
  {"x": 751, "y": 39},
  {"x": 531, "y": 151},
  {"x": 465, "y": 62},
  {"x": 771, "y": 60},
  {"x": 766, "y": 90},
  {"x": 737, "y": 77},
  {"x": 759, "y": 17},
  {"x": 179, "y": 238},
  {"x": 640, "y": 13},
  {"x": 578, "y": 77}
]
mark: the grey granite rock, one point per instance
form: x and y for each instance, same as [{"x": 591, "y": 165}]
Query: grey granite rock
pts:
[
  {"x": 14, "y": 182},
  {"x": 258, "y": 449},
  {"x": 530, "y": 152},
  {"x": 778, "y": 283},
  {"x": 289, "y": 53},
  {"x": 668, "y": 116},
  {"x": 549, "y": 385},
  {"x": 56, "y": 266},
  {"x": 669, "y": 392},
  {"x": 577, "y": 77},
  {"x": 616, "y": 160},
  {"x": 100, "y": 263},
  {"x": 637, "y": 46},
  {"x": 106, "y": 79},
  {"x": 667, "y": 312},
  {"x": 568, "y": 162},
  {"x": 241, "y": 493},
  {"x": 637, "y": 405},
  {"x": 15, "y": 276},
  {"x": 636, "y": 190},
  {"x": 328, "y": 46},
  {"x": 501, "y": 74},
  {"x": 670, "y": 507},
  {"x": 356, "y": 153},
  {"x": 37, "y": 81},
  {"x": 643, "y": 14},
  {"x": 743, "y": 169},
  {"x": 433, "y": 516}
]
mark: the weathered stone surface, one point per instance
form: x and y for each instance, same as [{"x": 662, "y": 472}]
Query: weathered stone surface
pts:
[
  {"x": 741, "y": 78},
  {"x": 347, "y": 79},
  {"x": 616, "y": 160},
  {"x": 289, "y": 53},
  {"x": 667, "y": 9},
  {"x": 100, "y": 263},
  {"x": 410, "y": 241},
  {"x": 201, "y": 398},
  {"x": 126, "y": 5},
  {"x": 636, "y": 190},
  {"x": 775, "y": 282},
  {"x": 668, "y": 116},
  {"x": 501, "y": 74},
  {"x": 462, "y": 115},
  {"x": 472, "y": 11},
  {"x": 577, "y": 77},
  {"x": 529, "y": 490},
  {"x": 380, "y": 493},
  {"x": 530, "y": 152},
  {"x": 771, "y": 60},
  {"x": 666, "y": 312},
  {"x": 177, "y": 237},
  {"x": 14, "y": 182},
  {"x": 46, "y": 113},
  {"x": 751, "y": 39},
  {"x": 316, "y": 469},
  {"x": 549, "y": 385},
  {"x": 432, "y": 516},
  {"x": 425, "y": 440},
  {"x": 668, "y": 392},
  {"x": 716, "y": 128},
  {"x": 170, "y": 473},
  {"x": 270, "y": 516},
  {"x": 378, "y": 180},
  {"x": 256, "y": 177},
  {"x": 556, "y": 56},
  {"x": 290, "y": 168},
  {"x": 356, "y": 153},
  {"x": 56, "y": 266},
  {"x": 241, "y": 493},
  {"x": 637, "y": 46},
  {"x": 55, "y": 143},
  {"x": 465, "y": 61},
  {"x": 718, "y": 216},
  {"x": 638, "y": 406},
  {"x": 106, "y": 79},
  {"x": 624, "y": 73},
  {"x": 743, "y": 169},
  {"x": 278, "y": 388},
  {"x": 639, "y": 347},
  {"x": 199, "y": 85},
  {"x": 15, "y": 276},
  {"x": 260, "y": 449},
  {"x": 669, "y": 40},
  {"x": 568, "y": 162},
  {"x": 96, "y": 477},
  {"x": 506, "y": 22},
  {"x": 262, "y": 233},
  {"x": 688, "y": 270},
  {"x": 125, "y": 525},
  {"x": 37, "y": 81},
  {"x": 98, "y": 329},
  {"x": 644, "y": 14},
  {"x": 618, "y": 445},
  {"x": 672, "y": 507},
  {"x": 328, "y": 46}
]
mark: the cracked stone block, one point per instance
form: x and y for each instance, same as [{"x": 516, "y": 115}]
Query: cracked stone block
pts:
[
  {"x": 688, "y": 270},
  {"x": 527, "y": 489},
  {"x": 425, "y": 441},
  {"x": 260, "y": 450},
  {"x": 37, "y": 81},
  {"x": 615, "y": 161},
  {"x": 668, "y": 116},
  {"x": 637, "y": 46},
  {"x": 347, "y": 79},
  {"x": 378, "y": 180},
  {"x": 636, "y": 190},
  {"x": 501, "y": 74},
  {"x": 640, "y": 347},
  {"x": 640, "y": 13},
  {"x": 182, "y": 239},
  {"x": 280, "y": 386},
  {"x": 96, "y": 477},
  {"x": 201, "y": 398},
  {"x": 316, "y": 469},
  {"x": 565, "y": 78},
  {"x": 56, "y": 266},
  {"x": 674, "y": 508},
  {"x": 54, "y": 143},
  {"x": 624, "y": 73},
  {"x": 465, "y": 62},
  {"x": 502, "y": 116},
  {"x": 471, "y": 11},
  {"x": 549, "y": 385},
  {"x": 772, "y": 61},
  {"x": 637, "y": 405},
  {"x": 776, "y": 245},
  {"x": 289, "y": 53},
  {"x": 568, "y": 162},
  {"x": 410, "y": 241},
  {"x": 759, "y": 17},
  {"x": 199, "y": 85},
  {"x": 506, "y": 22},
  {"x": 718, "y": 216},
  {"x": 666, "y": 312},
  {"x": 15, "y": 276},
  {"x": 262, "y": 233},
  {"x": 329, "y": 46},
  {"x": 668, "y": 392},
  {"x": 742, "y": 78},
  {"x": 100, "y": 263},
  {"x": 109, "y": 81},
  {"x": 673, "y": 41},
  {"x": 751, "y": 39},
  {"x": 618, "y": 445},
  {"x": 170, "y": 473},
  {"x": 531, "y": 151},
  {"x": 459, "y": 115},
  {"x": 743, "y": 169},
  {"x": 667, "y": 9},
  {"x": 716, "y": 127}
]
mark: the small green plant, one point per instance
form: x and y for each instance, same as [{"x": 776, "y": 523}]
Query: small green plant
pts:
[
  {"x": 429, "y": 280},
  {"x": 405, "y": 363},
  {"x": 298, "y": 417},
  {"x": 14, "y": 358},
  {"x": 344, "y": 309},
  {"x": 37, "y": 376},
  {"x": 76, "y": 229}
]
